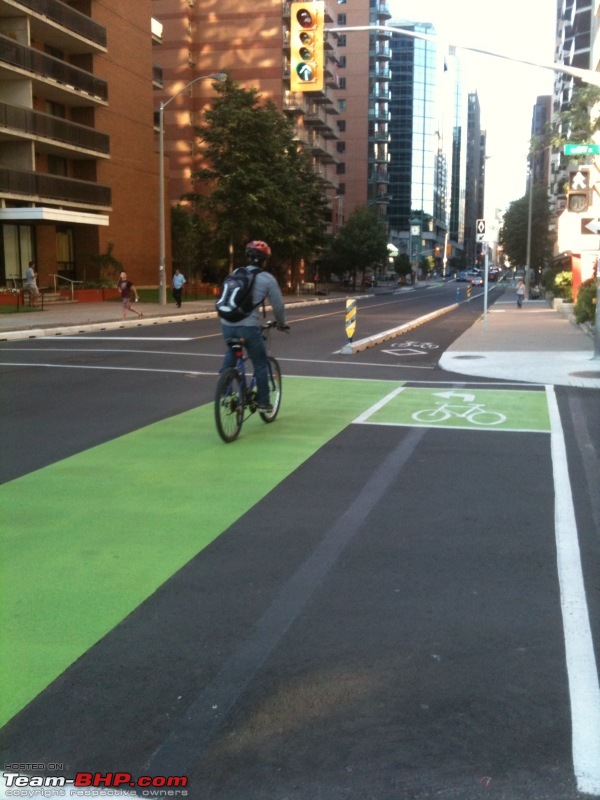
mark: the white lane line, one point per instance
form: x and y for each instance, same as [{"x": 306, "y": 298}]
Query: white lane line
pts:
[
  {"x": 110, "y": 369},
  {"x": 380, "y": 404},
  {"x": 79, "y": 338},
  {"x": 582, "y": 670}
]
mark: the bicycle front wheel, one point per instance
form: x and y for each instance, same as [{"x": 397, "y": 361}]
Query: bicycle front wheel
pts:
[
  {"x": 274, "y": 390},
  {"x": 229, "y": 405}
]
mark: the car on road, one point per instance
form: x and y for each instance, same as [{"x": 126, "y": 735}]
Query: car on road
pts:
[
  {"x": 476, "y": 280},
  {"x": 461, "y": 276}
]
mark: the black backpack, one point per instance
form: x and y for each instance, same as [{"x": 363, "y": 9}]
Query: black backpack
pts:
[{"x": 235, "y": 302}]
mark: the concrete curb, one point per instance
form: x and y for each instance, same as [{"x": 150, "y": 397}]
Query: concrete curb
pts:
[
  {"x": 91, "y": 327},
  {"x": 364, "y": 344}
]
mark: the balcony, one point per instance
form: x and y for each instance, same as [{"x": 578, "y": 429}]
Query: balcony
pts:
[
  {"x": 39, "y": 187},
  {"x": 53, "y": 78},
  {"x": 58, "y": 24},
  {"x": 51, "y": 134}
]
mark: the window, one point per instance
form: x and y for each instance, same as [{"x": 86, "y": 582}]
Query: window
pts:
[
  {"x": 341, "y": 169},
  {"x": 341, "y": 125},
  {"x": 341, "y": 19},
  {"x": 341, "y": 105},
  {"x": 341, "y": 61},
  {"x": 341, "y": 147},
  {"x": 342, "y": 83},
  {"x": 342, "y": 40},
  {"x": 57, "y": 165}
]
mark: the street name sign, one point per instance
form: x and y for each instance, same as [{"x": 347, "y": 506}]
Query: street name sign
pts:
[{"x": 581, "y": 149}]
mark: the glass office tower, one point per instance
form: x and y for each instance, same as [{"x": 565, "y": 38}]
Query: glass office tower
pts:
[{"x": 426, "y": 145}]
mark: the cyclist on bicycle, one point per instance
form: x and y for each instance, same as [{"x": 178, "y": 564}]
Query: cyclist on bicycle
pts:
[{"x": 249, "y": 329}]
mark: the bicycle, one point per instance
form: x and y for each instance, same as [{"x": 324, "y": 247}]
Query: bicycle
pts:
[
  {"x": 475, "y": 413},
  {"x": 236, "y": 399}
]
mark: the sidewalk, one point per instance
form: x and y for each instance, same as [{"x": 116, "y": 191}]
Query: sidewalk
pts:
[{"x": 535, "y": 343}]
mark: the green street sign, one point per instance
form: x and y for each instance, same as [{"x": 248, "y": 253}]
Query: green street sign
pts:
[{"x": 582, "y": 149}]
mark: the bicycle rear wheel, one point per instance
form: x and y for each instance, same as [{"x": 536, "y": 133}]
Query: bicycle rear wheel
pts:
[
  {"x": 229, "y": 405},
  {"x": 274, "y": 390}
]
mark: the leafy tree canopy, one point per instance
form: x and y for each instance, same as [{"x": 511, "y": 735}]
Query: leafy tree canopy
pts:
[
  {"x": 261, "y": 185},
  {"x": 361, "y": 243},
  {"x": 513, "y": 233}
]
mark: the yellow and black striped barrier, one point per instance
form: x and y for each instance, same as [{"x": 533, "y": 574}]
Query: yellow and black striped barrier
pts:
[
  {"x": 469, "y": 292},
  {"x": 350, "y": 324}
]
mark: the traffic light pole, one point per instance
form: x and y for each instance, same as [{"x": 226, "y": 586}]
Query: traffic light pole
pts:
[{"x": 586, "y": 75}]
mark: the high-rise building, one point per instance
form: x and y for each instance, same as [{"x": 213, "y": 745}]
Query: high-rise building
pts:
[
  {"x": 363, "y": 105},
  {"x": 78, "y": 167},
  {"x": 540, "y": 133},
  {"x": 250, "y": 40},
  {"x": 574, "y": 29},
  {"x": 427, "y": 147},
  {"x": 475, "y": 178}
]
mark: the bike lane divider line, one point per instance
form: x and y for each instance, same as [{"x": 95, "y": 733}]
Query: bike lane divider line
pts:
[
  {"x": 383, "y": 402},
  {"x": 582, "y": 669},
  {"x": 211, "y": 708},
  {"x": 466, "y": 408},
  {"x": 103, "y": 529}
]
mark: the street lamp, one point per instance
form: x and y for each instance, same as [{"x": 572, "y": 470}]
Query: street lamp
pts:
[{"x": 162, "y": 284}]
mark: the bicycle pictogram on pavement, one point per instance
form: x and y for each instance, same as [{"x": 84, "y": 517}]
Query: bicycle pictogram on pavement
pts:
[{"x": 474, "y": 409}]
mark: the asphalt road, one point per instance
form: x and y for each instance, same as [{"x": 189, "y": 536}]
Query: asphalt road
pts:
[{"x": 380, "y": 618}]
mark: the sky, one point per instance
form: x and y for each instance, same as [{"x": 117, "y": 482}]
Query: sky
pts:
[{"x": 507, "y": 91}]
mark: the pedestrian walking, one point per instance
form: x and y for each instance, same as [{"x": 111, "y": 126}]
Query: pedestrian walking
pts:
[
  {"x": 178, "y": 284},
  {"x": 520, "y": 293},
  {"x": 127, "y": 288},
  {"x": 31, "y": 283}
]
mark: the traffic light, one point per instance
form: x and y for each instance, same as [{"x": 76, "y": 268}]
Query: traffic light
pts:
[
  {"x": 307, "y": 51},
  {"x": 578, "y": 199}
]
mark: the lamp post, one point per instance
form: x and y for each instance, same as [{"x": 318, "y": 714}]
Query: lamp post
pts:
[{"x": 162, "y": 284}]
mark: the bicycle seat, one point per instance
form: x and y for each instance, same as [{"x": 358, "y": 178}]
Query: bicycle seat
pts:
[{"x": 235, "y": 343}]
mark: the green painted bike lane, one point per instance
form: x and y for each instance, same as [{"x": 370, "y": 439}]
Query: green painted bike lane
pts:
[{"x": 86, "y": 540}]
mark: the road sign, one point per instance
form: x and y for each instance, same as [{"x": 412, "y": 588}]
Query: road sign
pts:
[
  {"x": 590, "y": 225},
  {"x": 480, "y": 228},
  {"x": 579, "y": 180},
  {"x": 581, "y": 149}
]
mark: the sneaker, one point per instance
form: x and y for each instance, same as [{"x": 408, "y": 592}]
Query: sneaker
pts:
[{"x": 264, "y": 408}]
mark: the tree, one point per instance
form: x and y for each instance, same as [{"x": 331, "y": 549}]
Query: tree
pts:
[
  {"x": 360, "y": 244},
  {"x": 189, "y": 242},
  {"x": 259, "y": 184},
  {"x": 514, "y": 230},
  {"x": 580, "y": 119}
]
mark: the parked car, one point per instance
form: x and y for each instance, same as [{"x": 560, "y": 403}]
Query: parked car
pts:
[{"x": 461, "y": 276}]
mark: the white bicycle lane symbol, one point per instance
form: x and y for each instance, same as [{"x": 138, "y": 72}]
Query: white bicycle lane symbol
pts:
[
  {"x": 411, "y": 348},
  {"x": 475, "y": 413}
]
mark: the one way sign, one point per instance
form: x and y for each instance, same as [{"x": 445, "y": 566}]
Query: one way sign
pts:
[
  {"x": 590, "y": 225},
  {"x": 480, "y": 227}
]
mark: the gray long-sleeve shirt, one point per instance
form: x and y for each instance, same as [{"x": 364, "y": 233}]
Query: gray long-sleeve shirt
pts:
[{"x": 265, "y": 288}]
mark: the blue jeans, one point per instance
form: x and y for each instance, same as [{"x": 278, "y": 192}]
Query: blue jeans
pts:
[{"x": 255, "y": 345}]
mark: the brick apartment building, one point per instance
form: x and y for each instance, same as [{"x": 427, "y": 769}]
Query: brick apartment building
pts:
[
  {"x": 78, "y": 146},
  {"x": 249, "y": 39}
]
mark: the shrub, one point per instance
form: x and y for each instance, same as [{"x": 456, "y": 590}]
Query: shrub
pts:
[
  {"x": 585, "y": 307},
  {"x": 563, "y": 285}
]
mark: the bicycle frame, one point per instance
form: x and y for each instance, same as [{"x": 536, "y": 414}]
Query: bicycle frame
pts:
[{"x": 236, "y": 398}]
